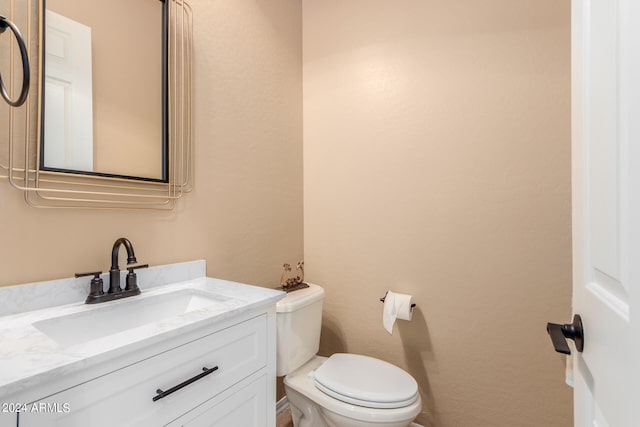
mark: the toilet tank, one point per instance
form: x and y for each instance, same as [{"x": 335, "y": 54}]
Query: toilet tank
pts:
[{"x": 298, "y": 319}]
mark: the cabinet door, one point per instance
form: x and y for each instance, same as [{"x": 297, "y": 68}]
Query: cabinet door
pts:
[
  {"x": 8, "y": 417},
  {"x": 246, "y": 407},
  {"x": 124, "y": 398}
]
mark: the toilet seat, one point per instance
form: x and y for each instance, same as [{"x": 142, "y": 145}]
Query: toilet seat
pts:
[
  {"x": 301, "y": 383},
  {"x": 365, "y": 381}
]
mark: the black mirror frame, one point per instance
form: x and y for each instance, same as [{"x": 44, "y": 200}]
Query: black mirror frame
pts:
[{"x": 165, "y": 106}]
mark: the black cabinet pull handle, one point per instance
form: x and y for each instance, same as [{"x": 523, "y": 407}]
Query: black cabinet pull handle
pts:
[
  {"x": 162, "y": 394},
  {"x": 559, "y": 334}
]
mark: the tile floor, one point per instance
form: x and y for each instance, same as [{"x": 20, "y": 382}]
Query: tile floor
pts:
[{"x": 284, "y": 419}]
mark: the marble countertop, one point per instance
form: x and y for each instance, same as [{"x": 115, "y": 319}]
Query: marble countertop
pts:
[{"x": 28, "y": 356}]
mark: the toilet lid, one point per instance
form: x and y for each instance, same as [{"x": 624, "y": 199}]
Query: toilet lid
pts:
[{"x": 365, "y": 381}]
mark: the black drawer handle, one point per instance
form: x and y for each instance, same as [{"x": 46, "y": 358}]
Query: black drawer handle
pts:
[{"x": 162, "y": 394}]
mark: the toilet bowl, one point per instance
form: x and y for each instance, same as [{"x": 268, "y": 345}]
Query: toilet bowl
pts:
[
  {"x": 344, "y": 390},
  {"x": 312, "y": 407}
]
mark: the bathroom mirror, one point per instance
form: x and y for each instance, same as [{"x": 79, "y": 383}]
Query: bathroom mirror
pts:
[{"x": 104, "y": 88}]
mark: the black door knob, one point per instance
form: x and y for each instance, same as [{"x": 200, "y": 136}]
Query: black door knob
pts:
[{"x": 559, "y": 334}]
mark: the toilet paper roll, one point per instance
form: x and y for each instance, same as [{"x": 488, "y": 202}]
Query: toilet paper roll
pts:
[{"x": 396, "y": 306}]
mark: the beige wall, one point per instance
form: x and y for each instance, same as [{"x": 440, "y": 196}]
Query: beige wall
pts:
[
  {"x": 245, "y": 214},
  {"x": 437, "y": 163}
]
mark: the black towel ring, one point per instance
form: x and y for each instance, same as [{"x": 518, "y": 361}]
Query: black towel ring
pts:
[{"x": 4, "y": 24}]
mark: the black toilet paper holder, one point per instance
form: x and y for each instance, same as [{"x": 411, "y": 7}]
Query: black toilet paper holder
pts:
[{"x": 385, "y": 296}]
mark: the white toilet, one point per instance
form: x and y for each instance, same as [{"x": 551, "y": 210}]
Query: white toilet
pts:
[{"x": 344, "y": 390}]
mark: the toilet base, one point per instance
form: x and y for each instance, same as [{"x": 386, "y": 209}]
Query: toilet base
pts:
[{"x": 306, "y": 413}]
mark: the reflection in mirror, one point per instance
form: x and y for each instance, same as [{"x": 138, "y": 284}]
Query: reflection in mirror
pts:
[{"x": 104, "y": 88}]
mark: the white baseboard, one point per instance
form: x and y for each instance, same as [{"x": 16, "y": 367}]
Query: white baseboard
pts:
[{"x": 282, "y": 405}]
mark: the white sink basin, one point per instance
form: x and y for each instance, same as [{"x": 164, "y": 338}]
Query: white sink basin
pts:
[{"x": 123, "y": 315}]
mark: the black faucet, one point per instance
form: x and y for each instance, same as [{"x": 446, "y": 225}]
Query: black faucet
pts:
[
  {"x": 97, "y": 294},
  {"x": 114, "y": 272}
]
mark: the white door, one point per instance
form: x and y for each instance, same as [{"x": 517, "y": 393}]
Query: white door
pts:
[
  {"x": 606, "y": 210},
  {"x": 68, "y": 100}
]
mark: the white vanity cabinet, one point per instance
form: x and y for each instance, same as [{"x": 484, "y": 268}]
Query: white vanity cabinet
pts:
[
  {"x": 190, "y": 350},
  {"x": 236, "y": 392},
  {"x": 244, "y": 407}
]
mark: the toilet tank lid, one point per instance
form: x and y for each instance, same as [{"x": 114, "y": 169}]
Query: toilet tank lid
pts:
[{"x": 300, "y": 298}]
